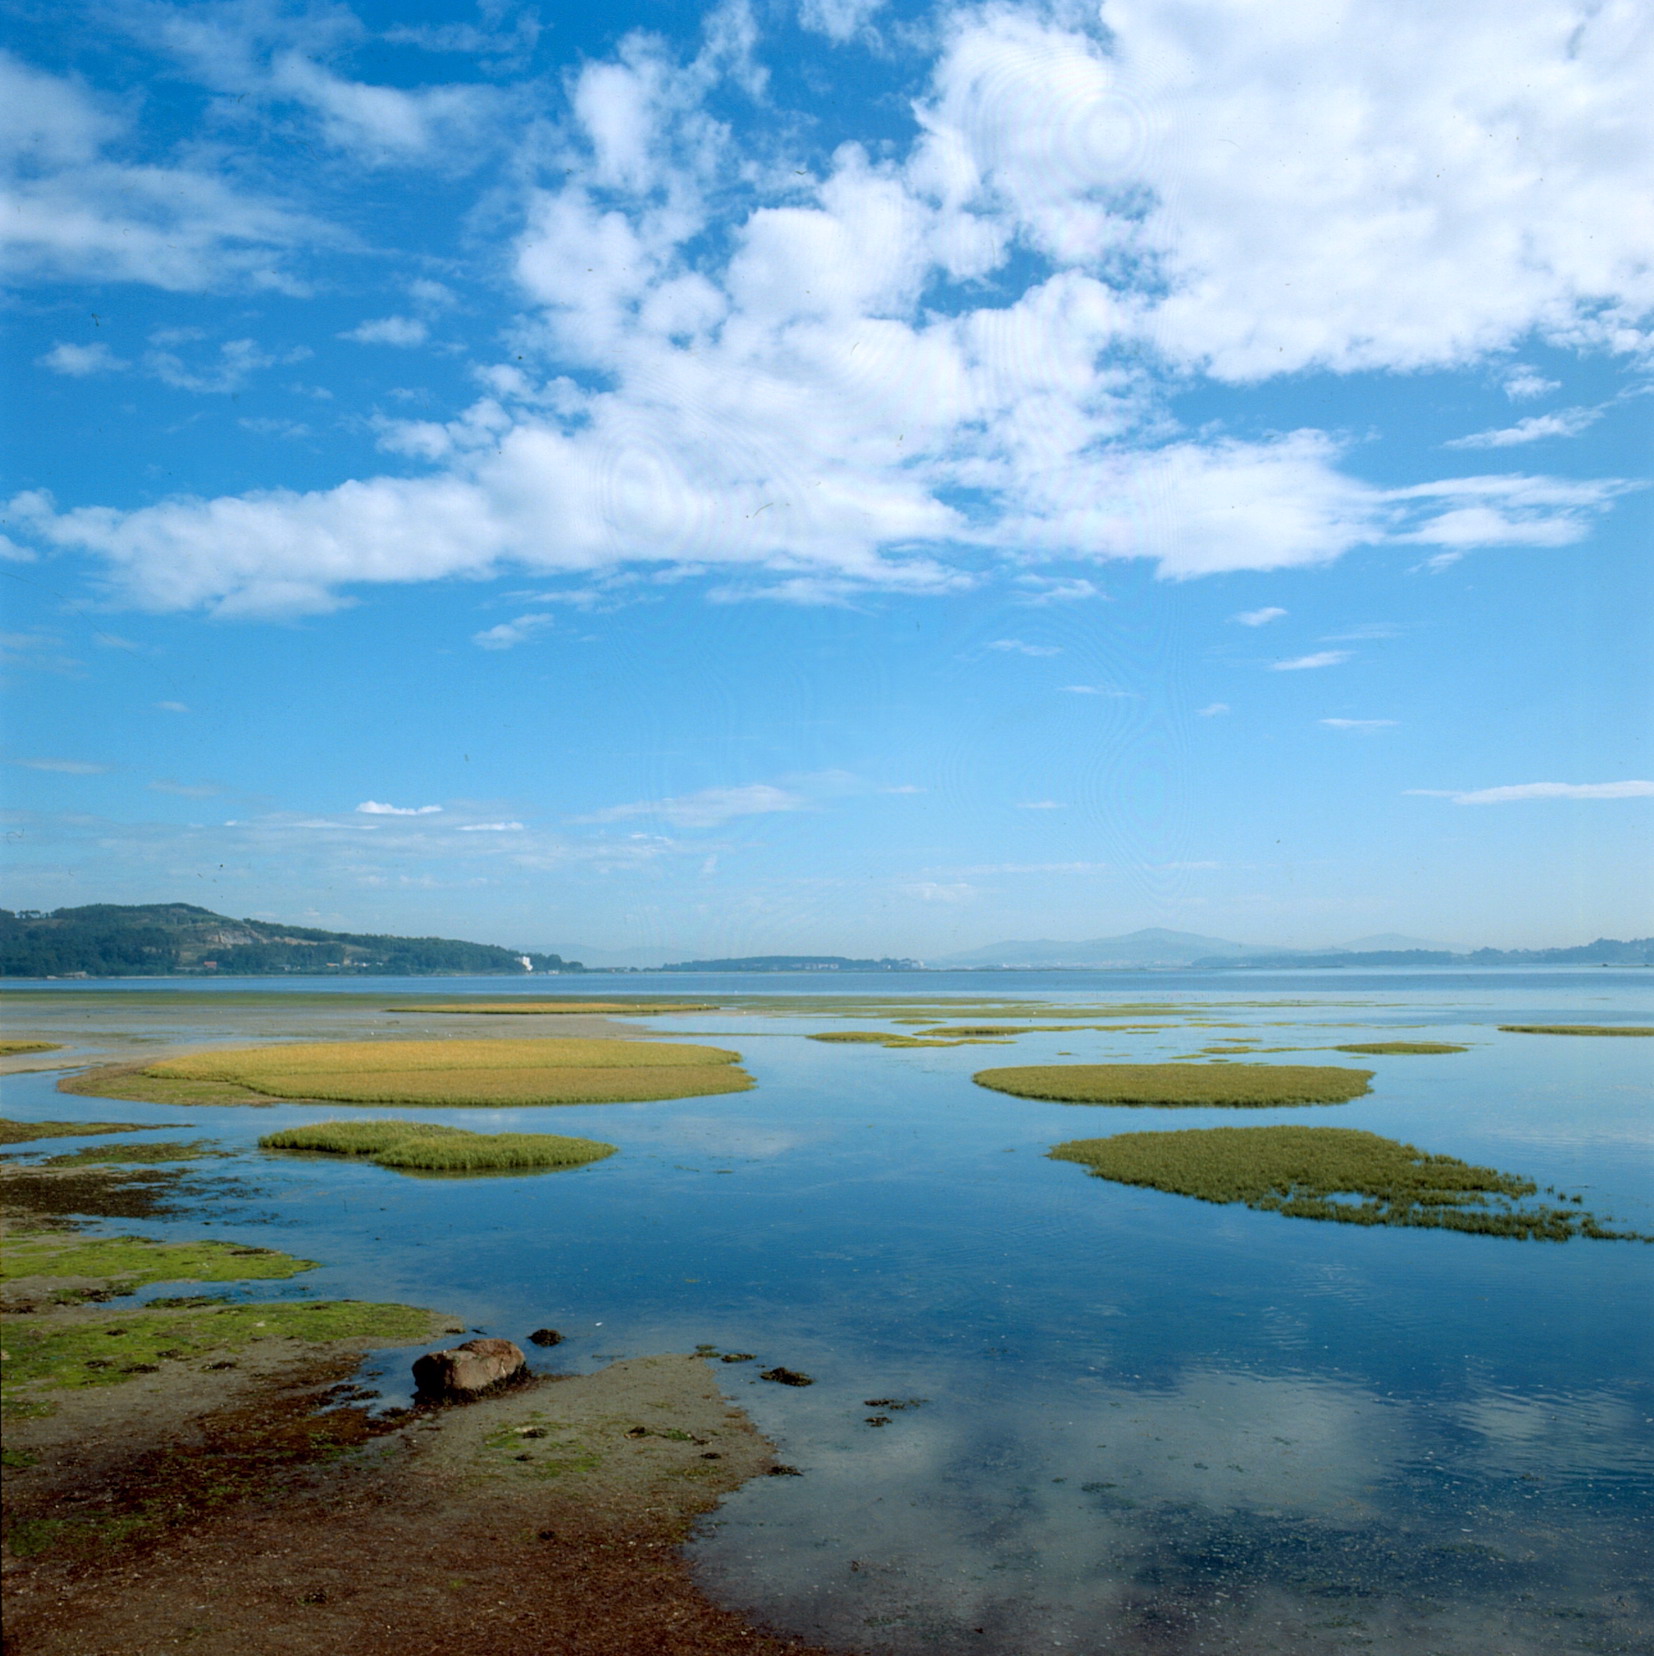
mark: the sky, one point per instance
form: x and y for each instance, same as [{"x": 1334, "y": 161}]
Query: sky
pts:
[{"x": 665, "y": 480}]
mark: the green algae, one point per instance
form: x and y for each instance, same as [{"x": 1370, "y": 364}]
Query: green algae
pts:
[
  {"x": 134, "y": 1260},
  {"x": 149, "y": 1151},
  {"x": 1341, "y": 1174},
  {"x": 1383, "y": 1048},
  {"x": 1577, "y": 1029},
  {"x": 22, "y": 1132},
  {"x": 113, "y": 1348},
  {"x": 413, "y": 1146},
  {"x": 1180, "y": 1085}
]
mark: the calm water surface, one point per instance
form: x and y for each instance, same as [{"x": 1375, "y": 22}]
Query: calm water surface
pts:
[{"x": 1148, "y": 1424}]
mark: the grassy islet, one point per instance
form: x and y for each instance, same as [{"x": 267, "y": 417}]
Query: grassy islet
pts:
[
  {"x": 1577, "y": 1029},
  {"x": 435, "y": 1149},
  {"x": 21, "y": 1132},
  {"x": 1233, "y": 1085},
  {"x": 1341, "y": 1174},
  {"x": 1384, "y": 1048}
]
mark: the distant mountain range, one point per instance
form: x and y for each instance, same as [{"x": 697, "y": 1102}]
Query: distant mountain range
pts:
[
  {"x": 164, "y": 939},
  {"x": 1155, "y": 946}
]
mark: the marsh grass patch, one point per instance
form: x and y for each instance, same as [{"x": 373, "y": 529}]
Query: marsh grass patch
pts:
[
  {"x": 15, "y": 1049},
  {"x": 555, "y": 1008},
  {"x": 1242, "y": 1086},
  {"x": 147, "y": 1152},
  {"x": 412, "y": 1146},
  {"x": 1341, "y": 1174},
  {"x": 541, "y": 1070},
  {"x": 877, "y": 1037},
  {"x": 1385, "y": 1048},
  {"x": 1577, "y": 1029}
]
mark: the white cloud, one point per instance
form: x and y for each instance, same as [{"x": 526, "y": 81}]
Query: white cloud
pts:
[
  {"x": 838, "y": 19},
  {"x": 1565, "y": 422},
  {"x": 1015, "y": 646},
  {"x": 78, "y": 361},
  {"x": 1522, "y": 382},
  {"x": 237, "y": 360},
  {"x": 1098, "y": 690},
  {"x": 795, "y": 381},
  {"x": 508, "y": 634},
  {"x": 1042, "y": 805},
  {"x": 389, "y": 330},
  {"x": 185, "y": 790},
  {"x": 1303, "y": 663},
  {"x": 1358, "y": 724},
  {"x": 72, "y": 212},
  {"x": 1213, "y": 709},
  {"x": 708, "y": 808},
  {"x": 1258, "y": 617},
  {"x": 67, "y": 767},
  {"x": 372, "y": 807},
  {"x": 1521, "y": 791},
  {"x": 172, "y": 707},
  {"x": 491, "y": 828}
]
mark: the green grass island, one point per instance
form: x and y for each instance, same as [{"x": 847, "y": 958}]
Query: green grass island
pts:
[
  {"x": 1577, "y": 1029},
  {"x": 1341, "y": 1174},
  {"x": 508, "y": 1072},
  {"x": 1236, "y": 1086},
  {"x": 1380, "y": 1049},
  {"x": 24, "y": 1132},
  {"x": 15, "y": 1049},
  {"x": 410, "y": 1146}
]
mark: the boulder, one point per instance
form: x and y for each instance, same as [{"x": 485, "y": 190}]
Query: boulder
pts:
[{"x": 469, "y": 1370}]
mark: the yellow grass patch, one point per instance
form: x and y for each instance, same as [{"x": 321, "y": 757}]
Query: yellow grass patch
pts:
[
  {"x": 546, "y": 1071},
  {"x": 1243, "y": 1085}
]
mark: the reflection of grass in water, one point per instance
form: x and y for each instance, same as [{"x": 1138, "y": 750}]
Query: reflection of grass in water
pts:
[
  {"x": 151, "y": 1151},
  {"x": 11, "y": 1049},
  {"x": 136, "y": 1259},
  {"x": 21, "y": 1132},
  {"x": 1304, "y": 1171},
  {"x": 434, "y": 1149},
  {"x": 1382, "y": 1047},
  {"x": 539, "y": 1071},
  {"x": 1242, "y": 1085},
  {"x": 1577, "y": 1029}
]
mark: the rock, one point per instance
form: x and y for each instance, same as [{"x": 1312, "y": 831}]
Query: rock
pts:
[
  {"x": 545, "y": 1336},
  {"x": 736, "y": 1357},
  {"x": 786, "y": 1377},
  {"x": 469, "y": 1370}
]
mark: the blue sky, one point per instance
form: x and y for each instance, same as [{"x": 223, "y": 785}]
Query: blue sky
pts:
[{"x": 671, "y": 479}]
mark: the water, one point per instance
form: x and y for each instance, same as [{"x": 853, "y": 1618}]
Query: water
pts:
[{"x": 1149, "y": 1424}]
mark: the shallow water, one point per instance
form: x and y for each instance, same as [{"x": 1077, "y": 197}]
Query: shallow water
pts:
[{"x": 1149, "y": 1424}]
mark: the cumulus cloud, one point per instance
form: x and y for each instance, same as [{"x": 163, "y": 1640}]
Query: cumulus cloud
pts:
[
  {"x": 80, "y": 361},
  {"x": 1523, "y": 382},
  {"x": 508, "y": 634},
  {"x": 73, "y": 211},
  {"x": 1565, "y": 422},
  {"x": 1520, "y": 792},
  {"x": 1258, "y": 617},
  {"x": 389, "y": 330},
  {"x": 1305, "y": 663},
  {"x": 1015, "y": 646},
  {"x": 709, "y": 807},
  {"x": 491, "y": 828},
  {"x": 797, "y": 380},
  {"x": 837, "y": 19},
  {"x": 372, "y": 807}
]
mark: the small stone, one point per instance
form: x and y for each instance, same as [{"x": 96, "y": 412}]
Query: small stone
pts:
[
  {"x": 467, "y": 1371},
  {"x": 785, "y": 1472},
  {"x": 736, "y": 1357},
  {"x": 786, "y": 1377},
  {"x": 545, "y": 1337},
  {"x": 878, "y": 1420}
]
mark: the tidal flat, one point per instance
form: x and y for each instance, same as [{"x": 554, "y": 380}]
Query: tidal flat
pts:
[{"x": 1147, "y": 1416}]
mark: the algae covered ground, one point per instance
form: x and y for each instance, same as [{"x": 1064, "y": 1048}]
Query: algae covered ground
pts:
[
  {"x": 23, "y": 1132},
  {"x": 413, "y": 1146},
  {"x": 130, "y": 1261},
  {"x": 1234, "y": 1085},
  {"x": 1337, "y": 1173},
  {"x": 545, "y": 1070}
]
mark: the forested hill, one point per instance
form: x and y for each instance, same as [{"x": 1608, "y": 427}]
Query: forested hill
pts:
[{"x": 160, "y": 939}]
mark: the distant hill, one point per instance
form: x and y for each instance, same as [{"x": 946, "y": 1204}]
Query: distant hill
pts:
[
  {"x": 1606, "y": 951},
  {"x": 163, "y": 939},
  {"x": 1153, "y": 946},
  {"x": 792, "y": 963}
]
